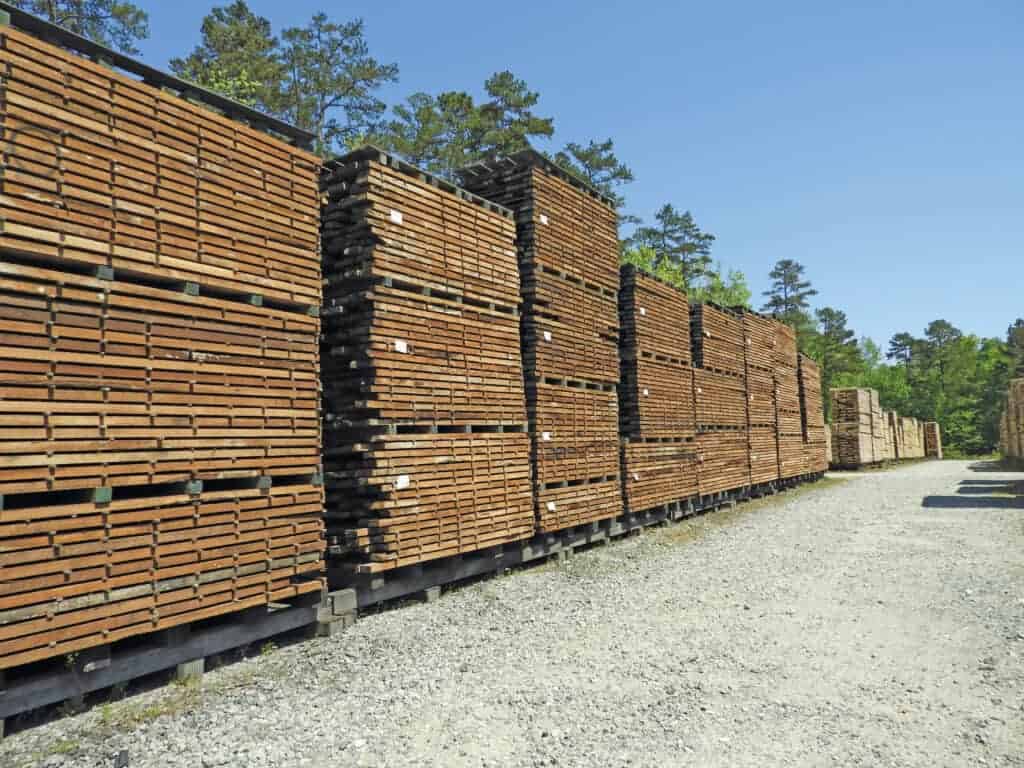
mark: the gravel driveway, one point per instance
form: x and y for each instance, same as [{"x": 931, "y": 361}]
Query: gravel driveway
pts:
[{"x": 876, "y": 620}]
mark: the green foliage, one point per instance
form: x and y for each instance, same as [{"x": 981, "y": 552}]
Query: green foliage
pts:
[
  {"x": 729, "y": 291},
  {"x": 237, "y": 56},
  {"x": 111, "y": 23},
  {"x": 320, "y": 77},
  {"x": 1015, "y": 346},
  {"x": 834, "y": 347},
  {"x": 596, "y": 164},
  {"x": 788, "y": 298},
  {"x": 677, "y": 240},
  {"x": 449, "y": 131}
]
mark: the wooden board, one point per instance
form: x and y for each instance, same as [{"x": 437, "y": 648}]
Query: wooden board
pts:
[
  {"x": 657, "y": 473},
  {"x": 719, "y": 342},
  {"x": 723, "y": 460}
]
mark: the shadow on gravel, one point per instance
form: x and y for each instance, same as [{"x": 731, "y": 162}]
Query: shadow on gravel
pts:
[
  {"x": 981, "y": 494},
  {"x": 990, "y": 466}
]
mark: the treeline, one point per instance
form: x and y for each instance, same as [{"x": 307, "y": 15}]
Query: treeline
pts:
[{"x": 322, "y": 77}]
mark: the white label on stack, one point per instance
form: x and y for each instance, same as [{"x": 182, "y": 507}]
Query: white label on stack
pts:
[
  {"x": 401, "y": 346},
  {"x": 551, "y": 506},
  {"x": 699, "y": 390},
  {"x": 545, "y": 435},
  {"x": 401, "y": 482},
  {"x": 543, "y": 219},
  {"x": 643, "y": 311},
  {"x": 547, "y": 335},
  {"x": 396, "y": 217},
  {"x": 636, "y": 475},
  {"x": 646, "y": 392}
]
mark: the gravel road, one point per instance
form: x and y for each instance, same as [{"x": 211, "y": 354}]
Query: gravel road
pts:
[{"x": 876, "y": 620}]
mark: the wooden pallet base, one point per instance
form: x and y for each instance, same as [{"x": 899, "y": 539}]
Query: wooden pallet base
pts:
[
  {"x": 182, "y": 649},
  {"x": 423, "y": 580}
]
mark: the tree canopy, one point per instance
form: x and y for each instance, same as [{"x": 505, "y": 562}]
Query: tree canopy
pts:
[{"x": 112, "y": 23}]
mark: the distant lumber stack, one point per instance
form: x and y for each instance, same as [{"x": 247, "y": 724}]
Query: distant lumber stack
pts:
[
  {"x": 865, "y": 435},
  {"x": 759, "y": 334},
  {"x": 159, "y": 286},
  {"x": 813, "y": 410},
  {"x": 932, "y": 440},
  {"x": 794, "y": 458},
  {"x": 426, "y": 449},
  {"x": 659, "y": 457},
  {"x": 567, "y": 238},
  {"x": 1011, "y": 425}
]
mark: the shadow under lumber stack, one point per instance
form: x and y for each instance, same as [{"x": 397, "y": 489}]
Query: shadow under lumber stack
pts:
[
  {"x": 813, "y": 409},
  {"x": 426, "y": 449},
  {"x": 159, "y": 279},
  {"x": 794, "y": 459},
  {"x": 759, "y": 334},
  {"x": 567, "y": 236},
  {"x": 720, "y": 399},
  {"x": 659, "y": 457}
]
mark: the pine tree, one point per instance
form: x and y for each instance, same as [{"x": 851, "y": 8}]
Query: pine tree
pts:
[
  {"x": 596, "y": 164},
  {"x": 111, "y": 23},
  {"x": 787, "y": 298},
  {"x": 677, "y": 240}
]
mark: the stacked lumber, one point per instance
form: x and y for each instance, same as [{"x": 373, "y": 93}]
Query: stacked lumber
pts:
[
  {"x": 759, "y": 334},
  {"x": 426, "y": 450},
  {"x": 852, "y": 429},
  {"x": 567, "y": 241},
  {"x": 659, "y": 458},
  {"x": 720, "y": 398},
  {"x": 794, "y": 459},
  {"x": 812, "y": 407},
  {"x": 932, "y": 440},
  {"x": 913, "y": 438},
  {"x": 878, "y": 442},
  {"x": 1011, "y": 427},
  {"x": 159, "y": 272}
]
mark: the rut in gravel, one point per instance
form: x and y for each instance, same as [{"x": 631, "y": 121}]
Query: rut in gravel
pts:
[{"x": 872, "y": 620}]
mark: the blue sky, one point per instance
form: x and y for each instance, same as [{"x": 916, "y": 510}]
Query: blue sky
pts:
[{"x": 879, "y": 145}]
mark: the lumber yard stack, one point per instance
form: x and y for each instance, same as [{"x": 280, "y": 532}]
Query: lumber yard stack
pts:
[
  {"x": 567, "y": 239},
  {"x": 794, "y": 459},
  {"x": 863, "y": 434},
  {"x": 656, "y": 406},
  {"x": 159, "y": 281},
  {"x": 759, "y": 333},
  {"x": 426, "y": 448},
  {"x": 1011, "y": 426},
  {"x": 932, "y": 440},
  {"x": 813, "y": 410},
  {"x": 720, "y": 398}
]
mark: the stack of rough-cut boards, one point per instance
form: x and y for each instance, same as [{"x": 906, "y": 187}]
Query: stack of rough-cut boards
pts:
[
  {"x": 426, "y": 448},
  {"x": 913, "y": 438},
  {"x": 1011, "y": 425},
  {"x": 852, "y": 430},
  {"x": 159, "y": 405},
  {"x": 793, "y": 453},
  {"x": 879, "y": 445},
  {"x": 659, "y": 457},
  {"x": 932, "y": 440},
  {"x": 720, "y": 398},
  {"x": 567, "y": 238},
  {"x": 759, "y": 334},
  {"x": 813, "y": 414},
  {"x": 895, "y": 437}
]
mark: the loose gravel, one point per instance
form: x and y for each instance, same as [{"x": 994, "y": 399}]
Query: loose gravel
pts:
[{"x": 876, "y": 620}]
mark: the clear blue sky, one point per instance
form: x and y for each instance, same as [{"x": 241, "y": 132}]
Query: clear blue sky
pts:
[{"x": 880, "y": 145}]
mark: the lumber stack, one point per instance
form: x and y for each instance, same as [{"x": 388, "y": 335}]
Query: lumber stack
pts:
[
  {"x": 659, "y": 457},
  {"x": 913, "y": 438},
  {"x": 720, "y": 398},
  {"x": 1011, "y": 426},
  {"x": 932, "y": 440},
  {"x": 759, "y": 334},
  {"x": 852, "y": 429},
  {"x": 813, "y": 410},
  {"x": 567, "y": 240},
  {"x": 794, "y": 459},
  {"x": 159, "y": 275},
  {"x": 879, "y": 448},
  {"x": 426, "y": 449}
]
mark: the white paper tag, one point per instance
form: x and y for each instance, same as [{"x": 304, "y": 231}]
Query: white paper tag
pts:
[
  {"x": 646, "y": 391},
  {"x": 396, "y": 217},
  {"x": 543, "y": 219},
  {"x": 551, "y": 506},
  {"x": 547, "y": 335},
  {"x": 699, "y": 391},
  {"x": 545, "y": 435},
  {"x": 401, "y": 346},
  {"x": 636, "y": 475},
  {"x": 401, "y": 482},
  {"x": 643, "y": 311}
]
